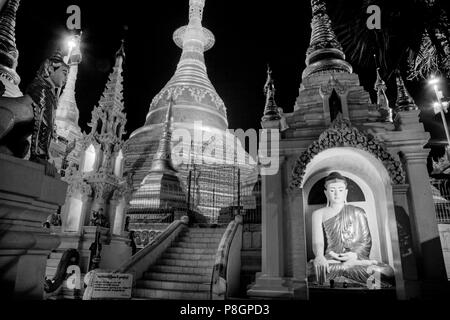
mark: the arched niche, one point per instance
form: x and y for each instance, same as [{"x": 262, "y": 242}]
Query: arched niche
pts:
[
  {"x": 118, "y": 165},
  {"x": 118, "y": 130},
  {"x": 89, "y": 159},
  {"x": 99, "y": 126},
  {"x": 335, "y": 105},
  {"x": 369, "y": 174}
]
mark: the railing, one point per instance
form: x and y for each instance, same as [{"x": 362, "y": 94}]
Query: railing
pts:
[
  {"x": 440, "y": 189},
  {"x": 69, "y": 257},
  {"x": 225, "y": 278},
  {"x": 140, "y": 262}
]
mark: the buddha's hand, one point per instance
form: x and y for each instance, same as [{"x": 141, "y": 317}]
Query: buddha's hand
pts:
[
  {"x": 321, "y": 265},
  {"x": 348, "y": 257}
]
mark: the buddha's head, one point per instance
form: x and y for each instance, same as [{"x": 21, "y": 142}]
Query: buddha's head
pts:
[{"x": 336, "y": 188}]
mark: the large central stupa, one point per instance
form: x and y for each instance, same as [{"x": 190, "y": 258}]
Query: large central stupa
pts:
[{"x": 194, "y": 99}]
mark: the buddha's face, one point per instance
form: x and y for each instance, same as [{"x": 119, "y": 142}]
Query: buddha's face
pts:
[{"x": 336, "y": 192}]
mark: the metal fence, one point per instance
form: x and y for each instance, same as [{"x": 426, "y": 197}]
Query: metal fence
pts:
[{"x": 440, "y": 189}]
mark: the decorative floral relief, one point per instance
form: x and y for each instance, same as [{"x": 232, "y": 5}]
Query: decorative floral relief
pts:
[
  {"x": 197, "y": 93},
  {"x": 327, "y": 89},
  {"x": 342, "y": 134}
]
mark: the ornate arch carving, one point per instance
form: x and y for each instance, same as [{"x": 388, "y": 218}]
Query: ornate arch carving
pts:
[{"x": 342, "y": 134}]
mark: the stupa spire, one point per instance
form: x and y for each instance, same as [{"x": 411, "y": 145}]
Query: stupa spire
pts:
[
  {"x": 67, "y": 113},
  {"x": 108, "y": 119},
  {"x": 9, "y": 54},
  {"x": 324, "y": 52},
  {"x": 190, "y": 85},
  {"x": 112, "y": 97},
  {"x": 382, "y": 100},
  {"x": 162, "y": 160},
  {"x": 404, "y": 100},
  {"x": 271, "y": 108}
]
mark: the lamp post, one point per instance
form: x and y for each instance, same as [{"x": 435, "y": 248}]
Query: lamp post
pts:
[{"x": 441, "y": 107}]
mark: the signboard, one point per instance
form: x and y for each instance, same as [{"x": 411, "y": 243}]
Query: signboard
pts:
[{"x": 108, "y": 285}]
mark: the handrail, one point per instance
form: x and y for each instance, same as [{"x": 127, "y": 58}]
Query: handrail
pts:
[
  {"x": 219, "y": 281},
  {"x": 140, "y": 262},
  {"x": 69, "y": 257}
]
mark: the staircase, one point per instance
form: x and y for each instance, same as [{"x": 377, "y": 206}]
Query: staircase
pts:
[{"x": 184, "y": 270}]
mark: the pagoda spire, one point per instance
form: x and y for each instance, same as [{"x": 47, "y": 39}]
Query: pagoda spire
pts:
[
  {"x": 271, "y": 109},
  {"x": 67, "y": 113},
  {"x": 404, "y": 100},
  {"x": 382, "y": 100},
  {"x": 110, "y": 106},
  {"x": 162, "y": 160},
  {"x": 324, "y": 52},
  {"x": 190, "y": 82},
  {"x": 8, "y": 51},
  {"x": 112, "y": 97}
]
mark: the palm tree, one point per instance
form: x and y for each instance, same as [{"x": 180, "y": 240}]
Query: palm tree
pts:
[{"x": 414, "y": 35}]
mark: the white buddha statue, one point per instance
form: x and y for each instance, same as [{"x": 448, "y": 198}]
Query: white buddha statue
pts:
[{"x": 341, "y": 242}]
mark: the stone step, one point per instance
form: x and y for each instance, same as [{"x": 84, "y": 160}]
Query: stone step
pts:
[
  {"x": 186, "y": 263},
  {"x": 172, "y": 285},
  {"x": 192, "y": 245},
  {"x": 171, "y": 294},
  {"x": 50, "y": 272},
  {"x": 162, "y": 276},
  {"x": 202, "y": 235},
  {"x": 56, "y": 255},
  {"x": 53, "y": 262},
  {"x": 178, "y": 269},
  {"x": 207, "y": 230},
  {"x": 192, "y": 250},
  {"x": 188, "y": 256},
  {"x": 198, "y": 239}
]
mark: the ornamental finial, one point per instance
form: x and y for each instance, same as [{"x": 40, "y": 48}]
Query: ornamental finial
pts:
[{"x": 404, "y": 100}]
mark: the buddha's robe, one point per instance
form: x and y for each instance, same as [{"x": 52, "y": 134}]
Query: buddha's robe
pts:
[{"x": 348, "y": 231}]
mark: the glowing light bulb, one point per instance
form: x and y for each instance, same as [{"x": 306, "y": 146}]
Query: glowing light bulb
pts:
[{"x": 433, "y": 81}]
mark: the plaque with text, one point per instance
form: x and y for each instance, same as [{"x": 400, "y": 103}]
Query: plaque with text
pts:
[{"x": 105, "y": 285}]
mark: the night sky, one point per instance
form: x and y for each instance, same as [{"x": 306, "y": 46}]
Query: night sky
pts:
[{"x": 249, "y": 35}]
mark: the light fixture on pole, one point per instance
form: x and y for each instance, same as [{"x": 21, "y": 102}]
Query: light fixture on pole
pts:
[{"x": 440, "y": 107}]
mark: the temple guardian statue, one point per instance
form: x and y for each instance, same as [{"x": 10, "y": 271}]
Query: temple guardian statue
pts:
[{"x": 33, "y": 114}]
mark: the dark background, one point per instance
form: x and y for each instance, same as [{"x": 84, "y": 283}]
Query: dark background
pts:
[{"x": 249, "y": 35}]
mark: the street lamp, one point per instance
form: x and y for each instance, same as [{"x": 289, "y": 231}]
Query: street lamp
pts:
[{"x": 440, "y": 107}]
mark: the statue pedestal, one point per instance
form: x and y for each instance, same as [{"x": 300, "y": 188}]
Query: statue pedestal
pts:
[
  {"x": 267, "y": 287},
  {"x": 27, "y": 198},
  {"x": 116, "y": 252}
]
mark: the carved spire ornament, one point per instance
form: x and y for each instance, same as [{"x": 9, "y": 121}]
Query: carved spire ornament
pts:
[
  {"x": 404, "y": 100},
  {"x": 162, "y": 160},
  {"x": 161, "y": 187},
  {"x": 67, "y": 113},
  {"x": 9, "y": 54},
  {"x": 382, "y": 100},
  {"x": 108, "y": 120},
  {"x": 324, "y": 52},
  {"x": 271, "y": 109}
]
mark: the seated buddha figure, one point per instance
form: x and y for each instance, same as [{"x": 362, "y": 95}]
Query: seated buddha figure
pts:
[{"x": 341, "y": 242}]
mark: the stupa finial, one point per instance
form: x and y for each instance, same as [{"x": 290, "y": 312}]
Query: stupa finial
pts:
[
  {"x": 162, "y": 160},
  {"x": 271, "y": 109},
  {"x": 9, "y": 54},
  {"x": 404, "y": 100},
  {"x": 382, "y": 100},
  {"x": 194, "y": 31},
  {"x": 324, "y": 52}
]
